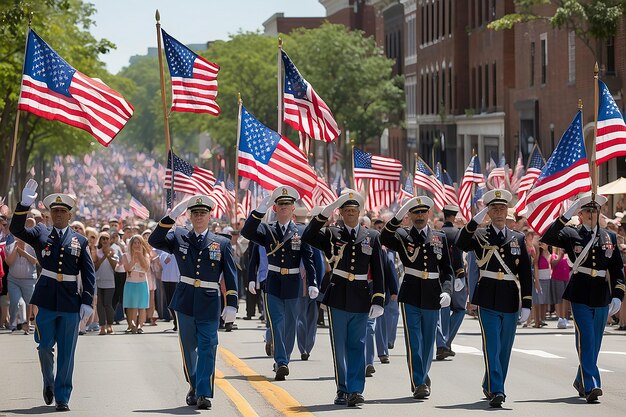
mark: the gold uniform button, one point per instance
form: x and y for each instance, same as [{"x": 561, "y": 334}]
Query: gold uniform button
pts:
[
  {"x": 197, "y": 266},
  {"x": 197, "y": 273},
  {"x": 352, "y": 268},
  {"x": 61, "y": 255},
  {"x": 593, "y": 264},
  {"x": 183, "y": 257},
  {"x": 353, "y": 253},
  {"x": 502, "y": 250},
  {"x": 593, "y": 257},
  {"x": 283, "y": 249},
  {"x": 200, "y": 253},
  {"x": 60, "y": 263},
  {"x": 62, "y": 249},
  {"x": 212, "y": 263},
  {"x": 425, "y": 257},
  {"x": 198, "y": 259},
  {"x": 352, "y": 260}
]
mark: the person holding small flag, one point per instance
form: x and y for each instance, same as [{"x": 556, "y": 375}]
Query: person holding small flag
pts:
[
  {"x": 427, "y": 284},
  {"x": 202, "y": 257},
  {"x": 504, "y": 273},
  {"x": 286, "y": 251},
  {"x": 64, "y": 258},
  {"x": 596, "y": 286}
]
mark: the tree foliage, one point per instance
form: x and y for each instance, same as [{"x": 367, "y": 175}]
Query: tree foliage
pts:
[
  {"x": 591, "y": 20},
  {"x": 64, "y": 24}
]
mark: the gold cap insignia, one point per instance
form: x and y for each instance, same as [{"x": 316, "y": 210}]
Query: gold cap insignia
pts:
[
  {"x": 199, "y": 201},
  {"x": 419, "y": 201},
  {"x": 498, "y": 194},
  {"x": 350, "y": 195},
  {"x": 285, "y": 192},
  {"x": 58, "y": 199}
]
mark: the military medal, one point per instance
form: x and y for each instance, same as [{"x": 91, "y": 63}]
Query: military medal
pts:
[
  {"x": 75, "y": 247},
  {"x": 365, "y": 246},
  {"x": 214, "y": 252},
  {"x": 296, "y": 243},
  {"x": 515, "y": 249}
]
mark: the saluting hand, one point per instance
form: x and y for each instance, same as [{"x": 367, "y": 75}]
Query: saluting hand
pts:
[{"x": 29, "y": 193}]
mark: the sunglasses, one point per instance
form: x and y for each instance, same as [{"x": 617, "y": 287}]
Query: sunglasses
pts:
[{"x": 104, "y": 238}]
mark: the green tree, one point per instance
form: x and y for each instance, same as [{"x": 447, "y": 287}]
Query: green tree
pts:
[
  {"x": 591, "y": 20},
  {"x": 64, "y": 24}
]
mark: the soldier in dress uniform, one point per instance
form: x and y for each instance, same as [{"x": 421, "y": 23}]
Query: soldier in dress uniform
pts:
[
  {"x": 64, "y": 257},
  {"x": 285, "y": 249},
  {"x": 427, "y": 285},
  {"x": 594, "y": 296},
  {"x": 450, "y": 318},
  {"x": 202, "y": 257},
  {"x": 504, "y": 272},
  {"x": 355, "y": 255}
]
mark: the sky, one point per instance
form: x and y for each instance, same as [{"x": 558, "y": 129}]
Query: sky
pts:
[{"x": 130, "y": 24}]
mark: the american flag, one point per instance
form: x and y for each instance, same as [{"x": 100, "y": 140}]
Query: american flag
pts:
[
  {"x": 611, "y": 136},
  {"x": 224, "y": 199},
  {"x": 565, "y": 174},
  {"x": 471, "y": 176},
  {"x": 381, "y": 193},
  {"x": 518, "y": 174},
  {"x": 187, "y": 178},
  {"x": 245, "y": 207},
  {"x": 304, "y": 110},
  {"x": 323, "y": 195},
  {"x": 497, "y": 176},
  {"x": 271, "y": 160},
  {"x": 54, "y": 90},
  {"x": 371, "y": 166},
  {"x": 448, "y": 186},
  {"x": 425, "y": 178},
  {"x": 535, "y": 165},
  {"x": 406, "y": 192},
  {"x": 194, "y": 79},
  {"x": 139, "y": 209}
]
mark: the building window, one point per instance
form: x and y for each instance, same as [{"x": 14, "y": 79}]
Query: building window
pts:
[
  {"x": 423, "y": 15},
  {"x": 486, "y": 100},
  {"x": 444, "y": 89},
  {"x": 473, "y": 92},
  {"x": 494, "y": 79},
  {"x": 443, "y": 18},
  {"x": 479, "y": 96},
  {"x": 449, "y": 17},
  {"x": 479, "y": 12},
  {"x": 450, "y": 102},
  {"x": 571, "y": 56},
  {"x": 532, "y": 64},
  {"x": 411, "y": 97},
  {"x": 411, "y": 39},
  {"x": 610, "y": 56},
  {"x": 432, "y": 22},
  {"x": 544, "y": 57},
  {"x": 436, "y": 95}
]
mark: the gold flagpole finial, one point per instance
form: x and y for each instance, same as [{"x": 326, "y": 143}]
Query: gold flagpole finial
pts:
[
  {"x": 157, "y": 15},
  {"x": 596, "y": 69},
  {"x": 280, "y": 42},
  {"x": 239, "y": 100},
  {"x": 580, "y": 104}
]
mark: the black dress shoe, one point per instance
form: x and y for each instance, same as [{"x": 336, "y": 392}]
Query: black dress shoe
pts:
[
  {"x": 384, "y": 359},
  {"x": 427, "y": 381},
  {"x": 592, "y": 397},
  {"x": 496, "y": 401},
  {"x": 390, "y": 345},
  {"x": 269, "y": 351},
  {"x": 48, "y": 395},
  {"x": 578, "y": 386},
  {"x": 421, "y": 392},
  {"x": 450, "y": 352},
  {"x": 369, "y": 370},
  {"x": 341, "y": 398},
  {"x": 248, "y": 318},
  {"x": 204, "y": 403},
  {"x": 62, "y": 407},
  {"x": 281, "y": 372},
  {"x": 354, "y": 399},
  {"x": 228, "y": 327},
  {"x": 191, "y": 397},
  {"x": 305, "y": 356},
  {"x": 441, "y": 354}
]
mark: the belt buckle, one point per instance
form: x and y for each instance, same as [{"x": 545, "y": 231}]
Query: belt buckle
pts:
[
  {"x": 284, "y": 271},
  {"x": 197, "y": 283},
  {"x": 424, "y": 274},
  {"x": 500, "y": 276},
  {"x": 594, "y": 273},
  {"x": 351, "y": 277},
  {"x": 59, "y": 277}
]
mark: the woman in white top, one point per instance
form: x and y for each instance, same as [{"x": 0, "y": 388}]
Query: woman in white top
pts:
[
  {"x": 106, "y": 261},
  {"x": 136, "y": 292},
  {"x": 21, "y": 280}
]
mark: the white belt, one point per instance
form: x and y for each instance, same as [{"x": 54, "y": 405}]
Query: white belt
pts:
[
  {"x": 421, "y": 274},
  {"x": 350, "y": 276},
  {"x": 591, "y": 272},
  {"x": 58, "y": 276},
  {"x": 500, "y": 276},
  {"x": 198, "y": 283},
  {"x": 283, "y": 271}
]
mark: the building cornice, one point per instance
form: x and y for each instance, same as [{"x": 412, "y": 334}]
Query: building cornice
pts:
[{"x": 334, "y": 6}]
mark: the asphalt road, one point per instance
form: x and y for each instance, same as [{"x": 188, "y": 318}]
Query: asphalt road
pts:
[{"x": 133, "y": 375}]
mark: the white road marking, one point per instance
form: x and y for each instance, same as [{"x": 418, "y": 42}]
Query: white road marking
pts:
[
  {"x": 466, "y": 349},
  {"x": 604, "y": 370},
  {"x": 540, "y": 353},
  {"x": 611, "y": 352}
]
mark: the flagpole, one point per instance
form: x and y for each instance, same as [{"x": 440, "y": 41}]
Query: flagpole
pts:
[
  {"x": 279, "y": 83},
  {"x": 239, "y": 103},
  {"x": 168, "y": 143},
  {"x": 593, "y": 166},
  {"x": 17, "y": 115},
  {"x": 415, "y": 170}
]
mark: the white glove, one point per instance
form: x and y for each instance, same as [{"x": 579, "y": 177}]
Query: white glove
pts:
[
  {"x": 29, "y": 193},
  {"x": 229, "y": 314},
  {"x": 265, "y": 204},
  {"x": 480, "y": 216},
  {"x": 573, "y": 209},
  {"x": 524, "y": 314},
  {"x": 405, "y": 208},
  {"x": 375, "y": 311},
  {"x": 178, "y": 209},
  {"x": 445, "y": 299},
  {"x": 614, "y": 307},
  {"x": 313, "y": 292},
  {"x": 85, "y": 311},
  {"x": 252, "y": 287},
  {"x": 459, "y": 284},
  {"x": 328, "y": 210}
]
